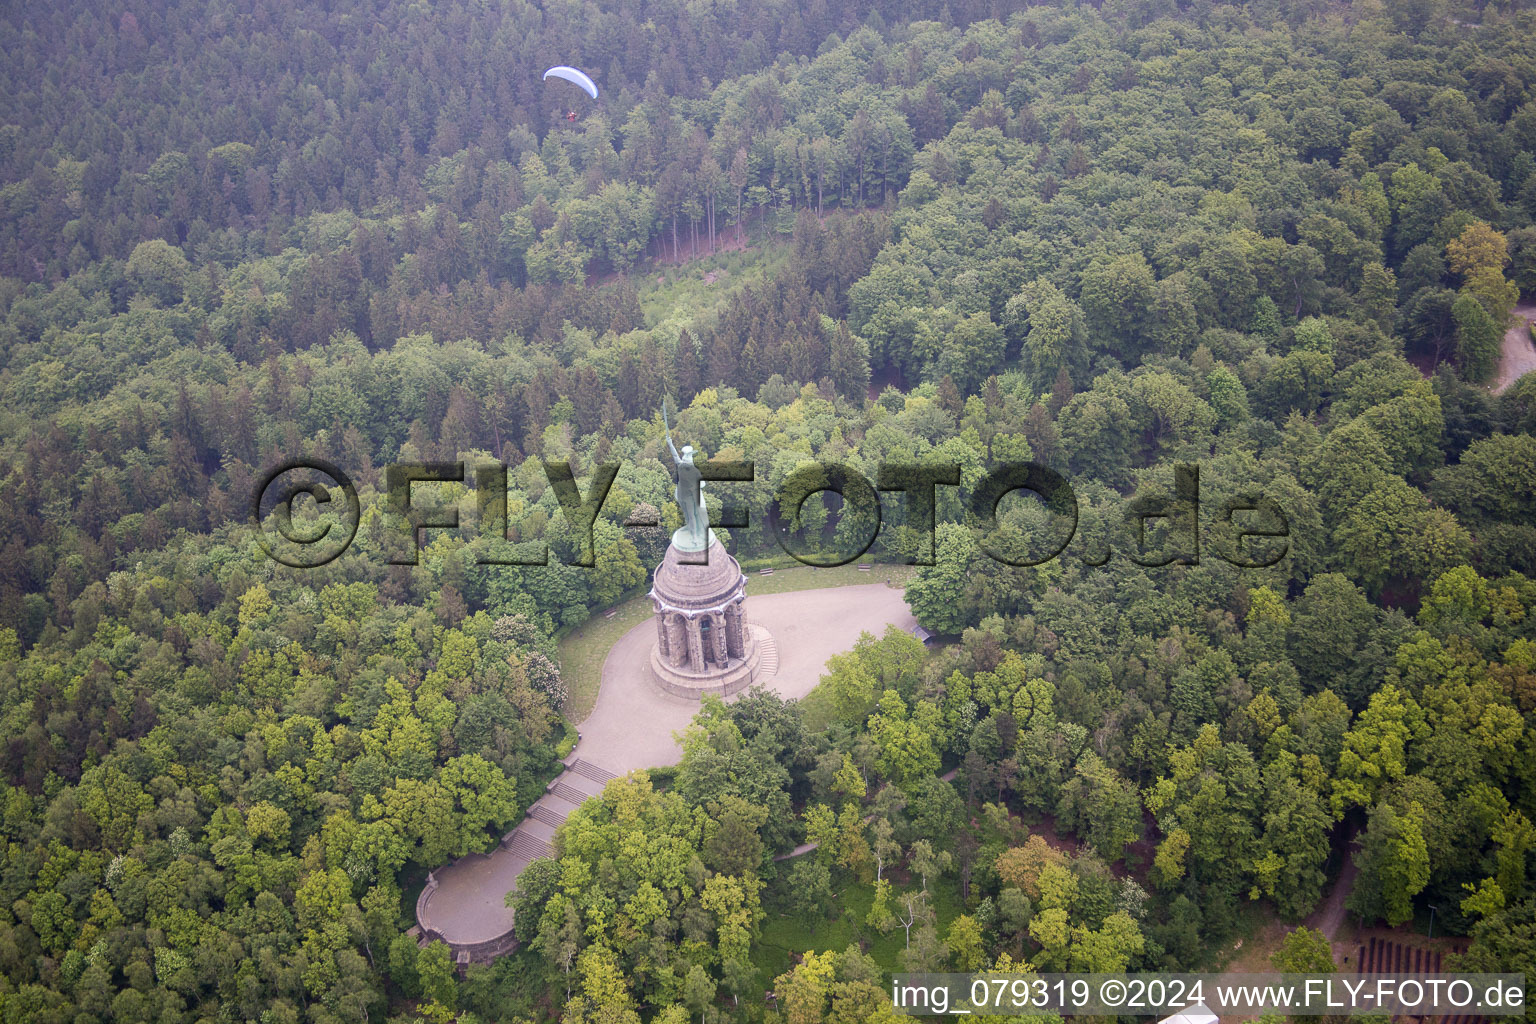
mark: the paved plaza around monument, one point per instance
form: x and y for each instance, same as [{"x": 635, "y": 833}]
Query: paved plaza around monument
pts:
[
  {"x": 633, "y": 723},
  {"x": 633, "y": 727}
]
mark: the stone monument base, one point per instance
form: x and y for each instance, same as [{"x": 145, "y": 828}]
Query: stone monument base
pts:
[{"x": 720, "y": 681}]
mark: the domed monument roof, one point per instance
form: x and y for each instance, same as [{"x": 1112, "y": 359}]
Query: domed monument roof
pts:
[{"x": 681, "y": 584}]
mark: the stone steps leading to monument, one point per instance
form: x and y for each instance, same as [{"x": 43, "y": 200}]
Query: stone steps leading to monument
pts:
[
  {"x": 591, "y": 771},
  {"x": 537, "y": 829},
  {"x": 582, "y": 784},
  {"x": 570, "y": 795},
  {"x": 547, "y": 814},
  {"x": 768, "y": 658},
  {"x": 529, "y": 846}
]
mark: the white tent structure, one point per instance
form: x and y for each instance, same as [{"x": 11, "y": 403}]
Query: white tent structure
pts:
[{"x": 1199, "y": 1013}]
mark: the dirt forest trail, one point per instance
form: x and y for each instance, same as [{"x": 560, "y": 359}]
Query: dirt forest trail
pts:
[
  {"x": 1328, "y": 918},
  {"x": 1518, "y": 356}
]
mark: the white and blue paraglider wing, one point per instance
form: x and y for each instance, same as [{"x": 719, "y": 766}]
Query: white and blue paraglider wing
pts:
[{"x": 575, "y": 77}]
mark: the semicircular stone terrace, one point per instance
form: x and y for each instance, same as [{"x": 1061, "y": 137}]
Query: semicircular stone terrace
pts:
[{"x": 631, "y": 728}]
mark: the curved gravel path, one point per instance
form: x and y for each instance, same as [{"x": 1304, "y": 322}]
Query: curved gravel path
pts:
[{"x": 1518, "y": 356}]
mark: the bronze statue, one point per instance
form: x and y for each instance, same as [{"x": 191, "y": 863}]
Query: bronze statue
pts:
[{"x": 693, "y": 535}]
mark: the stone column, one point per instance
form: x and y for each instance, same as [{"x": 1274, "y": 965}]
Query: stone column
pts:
[
  {"x": 718, "y": 632},
  {"x": 695, "y": 645},
  {"x": 662, "y": 647},
  {"x": 735, "y": 638},
  {"x": 677, "y": 639}
]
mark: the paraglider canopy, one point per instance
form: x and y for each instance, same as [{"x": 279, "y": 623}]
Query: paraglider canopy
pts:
[{"x": 573, "y": 76}]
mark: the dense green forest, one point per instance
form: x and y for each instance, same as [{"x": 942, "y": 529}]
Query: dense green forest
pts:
[{"x": 1279, "y": 241}]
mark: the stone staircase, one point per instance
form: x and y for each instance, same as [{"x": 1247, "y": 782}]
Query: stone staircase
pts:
[
  {"x": 588, "y": 770},
  {"x": 570, "y": 794},
  {"x": 768, "y": 656},
  {"x": 534, "y": 836},
  {"x": 525, "y": 845},
  {"x": 543, "y": 812}
]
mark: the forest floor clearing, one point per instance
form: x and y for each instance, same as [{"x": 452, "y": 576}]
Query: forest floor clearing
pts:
[
  {"x": 656, "y": 262},
  {"x": 1251, "y": 953},
  {"x": 786, "y": 935},
  {"x": 679, "y": 295},
  {"x": 1519, "y": 353},
  {"x": 661, "y": 253}
]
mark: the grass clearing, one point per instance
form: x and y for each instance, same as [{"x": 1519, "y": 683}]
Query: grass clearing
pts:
[
  {"x": 1259, "y": 934},
  {"x": 804, "y": 577},
  {"x": 816, "y": 710},
  {"x": 584, "y": 649},
  {"x": 682, "y": 294},
  {"x": 784, "y": 933}
]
